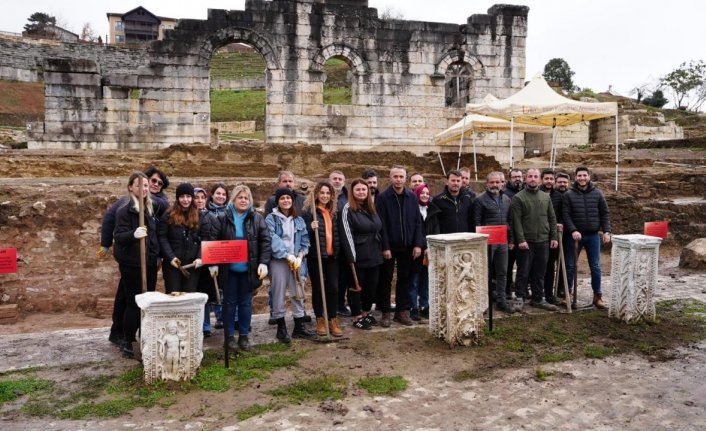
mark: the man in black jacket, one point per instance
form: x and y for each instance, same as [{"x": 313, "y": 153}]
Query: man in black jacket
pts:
[
  {"x": 402, "y": 242},
  {"x": 492, "y": 208},
  {"x": 455, "y": 215},
  {"x": 585, "y": 213},
  {"x": 515, "y": 184},
  {"x": 547, "y": 186},
  {"x": 285, "y": 179},
  {"x": 466, "y": 182}
]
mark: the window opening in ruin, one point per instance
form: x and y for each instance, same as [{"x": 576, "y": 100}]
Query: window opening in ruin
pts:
[
  {"x": 338, "y": 83},
  {"x": 458, "y": 84},
  {"x": 238, "y": 93}
]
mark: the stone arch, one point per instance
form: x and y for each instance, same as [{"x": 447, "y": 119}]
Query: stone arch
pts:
[
  {"x": 225, "y": 36},
  {"x": 359, "y": 66},
  {"x": 459, "y": 56}
]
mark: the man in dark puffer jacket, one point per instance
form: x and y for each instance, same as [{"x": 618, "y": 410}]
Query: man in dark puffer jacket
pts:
[
  {"x": 492, "y": 208},
  {"x": 585, "y": 212}
]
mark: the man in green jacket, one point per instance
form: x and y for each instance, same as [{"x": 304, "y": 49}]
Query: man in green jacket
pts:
[{"x": 534, "y": 229}]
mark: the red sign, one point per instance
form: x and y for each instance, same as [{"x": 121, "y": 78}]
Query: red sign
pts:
[
  {"x": 214, "y": 252},
  {"x": 497, "y": 234},
  {"x": 659, "y": 229},
  {"x": 8, "y": 260}
]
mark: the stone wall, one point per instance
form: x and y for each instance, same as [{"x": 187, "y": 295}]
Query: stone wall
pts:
[
  {"x": 160, "y": 95},
  {"x": 635, "y": 125}
]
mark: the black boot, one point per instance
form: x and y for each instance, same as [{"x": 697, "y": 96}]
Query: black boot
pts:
[
  {"x": 300, "y": 330},
  {"x": 282, "y": 331}
]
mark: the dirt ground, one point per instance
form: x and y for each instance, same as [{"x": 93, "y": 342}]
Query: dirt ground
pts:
[{"x": 501, "y": 385}]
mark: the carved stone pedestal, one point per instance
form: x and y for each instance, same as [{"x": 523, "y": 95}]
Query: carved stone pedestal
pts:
[
  {"x": 633, "y": 277},
  {"x": 458, "y": 286},
  {"x": 171, "y": 336}
]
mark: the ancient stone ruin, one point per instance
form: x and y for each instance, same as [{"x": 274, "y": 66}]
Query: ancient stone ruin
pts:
[
  {"x": 458, "y": 286},
  {"x": 171, "y": 340},
  {"x": 411, "y": 79},
  {"x": 633, "y": 277}
]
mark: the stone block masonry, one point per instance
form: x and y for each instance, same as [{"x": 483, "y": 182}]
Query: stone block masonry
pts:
[{"x": 403, "y": 77}]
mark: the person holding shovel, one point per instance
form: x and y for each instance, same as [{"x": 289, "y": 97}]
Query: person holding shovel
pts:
[
  {"x": 180, "y": 243},
  {"x": 241, "y": 222},
  {"x": 322, "y": 200},
  {"x": 290, "y": 245},
  {"x": 127, "y": 236},
  {"x": 362, "y": 245}
]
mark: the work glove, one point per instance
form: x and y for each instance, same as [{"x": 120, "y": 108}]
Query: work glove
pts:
[
  {"x": 176, "y": 263},
  {"x": 297, "y": 263},
  {"x": 102, "y": 252},
  {"x": 291, "y": 259},
  {"x": 213, "y": 269},
  {"x": 140, "y": 232},
  {"x": 262, "y": 271},
  {"x": 198, "y": 263}
]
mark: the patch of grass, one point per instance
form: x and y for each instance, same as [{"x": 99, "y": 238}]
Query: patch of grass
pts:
[
  {"x": 556, "y": 357},
  {"x": 463, "y": 375},
  {"x": 253, "y": 410},
  {"x": 541, "y": 375},
  {"x": 213, "y": 378},
  {"x": 594, "y": 351},
  {"x": 338, "y": 96},
  {"x": 383, "y": 385},
  {"x": 231, "y": 105},
  {"x": 254, "y": 136},
  {"x": 314, "y": 389},
  {"x": 10, "y": 390}
]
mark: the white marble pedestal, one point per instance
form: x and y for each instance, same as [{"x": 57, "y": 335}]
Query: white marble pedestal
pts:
[
  {"x": 633, "y": 277},
  {"x": 458, "y": 286},
  {"x": 171, "y": 334}
]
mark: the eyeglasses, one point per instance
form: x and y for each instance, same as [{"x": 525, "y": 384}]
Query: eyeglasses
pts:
[{"x": 156, "y": 181}]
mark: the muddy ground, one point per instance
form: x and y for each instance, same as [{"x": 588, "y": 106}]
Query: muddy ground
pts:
[{"x": 650, "y": 377}]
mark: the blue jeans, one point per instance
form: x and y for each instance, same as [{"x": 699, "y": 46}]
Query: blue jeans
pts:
[
  {"x": 237, "y": 294},
  {"x": 592, "y": 243},
  {"x": 419, "y": 286}
]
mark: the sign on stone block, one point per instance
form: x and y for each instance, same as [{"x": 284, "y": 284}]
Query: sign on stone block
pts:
[
  {"x": 171, "y": 337},
  {"x": 458, "y": 286},
  {"x": 633, "y": 277}
]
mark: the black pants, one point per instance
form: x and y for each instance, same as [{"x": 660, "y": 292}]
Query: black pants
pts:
[
  {"x": 531, "y": 266},
  {"x": 344, "y": 281},
  {"x": 175, "y": 281},
  {"x": 131, "y": 279},
  {"x": 368, "y": 280},
  {"x": 330, "y": 271},
  {"x": 116, "y": 329},
  {"x": 549, "y": 274},
  {"x": 403, "y": 259},
  {"x": 511, "y": 258}
]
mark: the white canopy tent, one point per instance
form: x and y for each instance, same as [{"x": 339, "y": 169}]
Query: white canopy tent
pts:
[
  {"x": 537, "y": 104},
  {"x": 472, "y": 123}
]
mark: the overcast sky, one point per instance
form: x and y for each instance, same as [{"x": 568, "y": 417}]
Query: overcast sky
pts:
[{"x": 606, "y": 42}]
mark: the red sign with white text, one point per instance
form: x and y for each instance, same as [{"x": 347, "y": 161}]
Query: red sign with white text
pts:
[
  {"x": 8, "y": 260},
  {"x": 215, "y": 252},
  {"x": 659, "y": 229},
  {"x": 497, "y": 234}
]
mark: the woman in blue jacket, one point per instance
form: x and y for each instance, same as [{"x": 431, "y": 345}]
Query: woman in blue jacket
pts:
[{"x": 290, "y": 245}]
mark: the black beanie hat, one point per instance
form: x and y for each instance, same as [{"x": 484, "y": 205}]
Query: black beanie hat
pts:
[
  {"x": 184, "y": 189},
  {"x": 281, "y": 192}
]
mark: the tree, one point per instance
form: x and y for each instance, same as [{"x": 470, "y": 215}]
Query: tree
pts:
[
  {"x": 687, "y": 83},
  {"x": 557, "y": 70},
  {"x": 38, "y": 22},
  {"x": 656, "y": 100},
  {"x": 389, "y": 13},
  {"x": 87, "y": 33}
]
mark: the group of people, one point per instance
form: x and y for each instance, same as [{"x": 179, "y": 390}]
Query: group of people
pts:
[{"x": 351, "y": 239}]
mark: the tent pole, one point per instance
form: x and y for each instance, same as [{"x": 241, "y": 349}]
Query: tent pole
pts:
[
  {"x": 442, "y": 163},
  {"x": 460, "y": 146},
  {"x": 512, "y": 137},
  {"x": 475, "y": 162},
  {"x": 616, "y": 152}
]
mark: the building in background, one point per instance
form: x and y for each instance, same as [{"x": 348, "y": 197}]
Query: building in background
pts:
[
  {"x": 137, "y": 26},
  {"x": 52, "y": 32}
]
